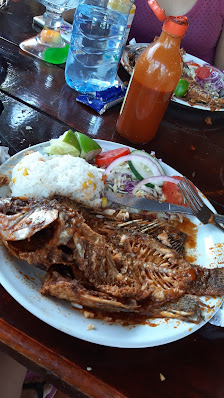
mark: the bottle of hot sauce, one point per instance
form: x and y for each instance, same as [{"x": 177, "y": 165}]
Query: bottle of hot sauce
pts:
[{"x": 155, "y": 77}]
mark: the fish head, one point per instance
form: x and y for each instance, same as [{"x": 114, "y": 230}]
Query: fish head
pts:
[{"x": 21, "y": 218}]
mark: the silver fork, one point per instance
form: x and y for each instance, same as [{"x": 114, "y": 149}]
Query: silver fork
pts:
[{"x": 194, "y": 201}]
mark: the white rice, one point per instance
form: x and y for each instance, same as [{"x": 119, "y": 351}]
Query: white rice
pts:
[{"x": 43, "y": 176}]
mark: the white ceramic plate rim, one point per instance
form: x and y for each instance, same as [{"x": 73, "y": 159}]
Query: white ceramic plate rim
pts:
[
  {"x": 23, "y": 282},
  {"x": 186, "y": 57}
]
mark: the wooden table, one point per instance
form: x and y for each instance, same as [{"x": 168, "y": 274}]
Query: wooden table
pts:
[{"x": 35, "y": 94}]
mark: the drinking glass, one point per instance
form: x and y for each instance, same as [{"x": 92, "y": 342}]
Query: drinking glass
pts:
[{"x": 49, "y": 44}]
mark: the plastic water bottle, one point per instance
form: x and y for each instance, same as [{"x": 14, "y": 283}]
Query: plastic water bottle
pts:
[{"x": 96, "y": 45}]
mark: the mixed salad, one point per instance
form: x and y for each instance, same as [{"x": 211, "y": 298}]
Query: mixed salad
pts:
[
  {"x": 138, "y": 173},
  {"x": 208, "y": 77},
  {"x": 128, "y": 172}
]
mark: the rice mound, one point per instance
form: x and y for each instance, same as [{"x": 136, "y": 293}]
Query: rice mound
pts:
[{"x": 44, "y": 176}]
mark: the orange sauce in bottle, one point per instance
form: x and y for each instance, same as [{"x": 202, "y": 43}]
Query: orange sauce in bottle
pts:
[{"x": 155, "y": 77}]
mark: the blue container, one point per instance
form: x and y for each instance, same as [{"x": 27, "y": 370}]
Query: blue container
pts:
[{"x": 96, "y": 44}]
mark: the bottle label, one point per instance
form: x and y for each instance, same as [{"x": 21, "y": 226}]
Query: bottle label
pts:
[
  {"x": 129, "y": 22},
  {"x": 122, "y": 106},
  {"x": 121, "y": 6}
]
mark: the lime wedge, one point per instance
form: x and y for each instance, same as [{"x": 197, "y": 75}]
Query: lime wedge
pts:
[
  {"x": 75, "y": 144},
  {"x": 69, "y": 137},
  {"x": 66, "y": 144},
  {"x": 89, "y": 148}
]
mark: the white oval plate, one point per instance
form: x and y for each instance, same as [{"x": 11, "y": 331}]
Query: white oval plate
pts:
[
  {"x": 23, "y": 281},
  {"x": 186, "y": 57}
]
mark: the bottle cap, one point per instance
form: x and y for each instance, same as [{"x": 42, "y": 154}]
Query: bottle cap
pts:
[
  {"x": 158, "y": 11},
  {"x": 176, "y": 25}
]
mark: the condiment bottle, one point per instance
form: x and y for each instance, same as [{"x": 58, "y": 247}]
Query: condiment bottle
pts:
[{"x": 155, "y": 77}]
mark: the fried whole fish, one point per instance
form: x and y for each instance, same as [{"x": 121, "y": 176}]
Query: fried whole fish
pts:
[{"x": 107, "y": 260}]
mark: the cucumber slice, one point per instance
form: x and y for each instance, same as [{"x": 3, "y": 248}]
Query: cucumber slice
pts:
[{"x": 141, "y": 171}]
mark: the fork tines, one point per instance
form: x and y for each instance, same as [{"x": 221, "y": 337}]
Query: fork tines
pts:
[
  {"x": 195, "y": 202},
  {"x": 190, "y": 195}
]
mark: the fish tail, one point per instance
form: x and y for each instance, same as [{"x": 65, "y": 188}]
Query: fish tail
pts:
[{"x": 208, "y": 282}]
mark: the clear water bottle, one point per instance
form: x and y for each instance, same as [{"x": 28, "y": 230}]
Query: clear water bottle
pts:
[{"x": 96, "y": 45}]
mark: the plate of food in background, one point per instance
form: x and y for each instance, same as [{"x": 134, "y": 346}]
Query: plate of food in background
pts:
[{"x": 201, "y": 85}]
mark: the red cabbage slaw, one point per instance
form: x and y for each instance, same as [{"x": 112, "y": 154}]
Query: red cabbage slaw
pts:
[
  {"x": 120, "y": 178},
  {"x": 213, "y": 84}
]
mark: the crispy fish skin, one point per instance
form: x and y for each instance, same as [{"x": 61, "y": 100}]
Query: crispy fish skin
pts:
[
  {"x": 207, "y": 282},
  {"x": 59, "y": 283},
  {"x": 120, "y": 263},
  {"x": 35, "y": 231},
  {"x": 196, "y": 95},
  {"x": 100, "y": 264}
]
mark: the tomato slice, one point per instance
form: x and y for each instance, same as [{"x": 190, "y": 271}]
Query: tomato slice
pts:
[
  {"x": 172, "y": 193},
  {"x": 202, "y": 72},
  {"x": 106, "y": 158}
]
